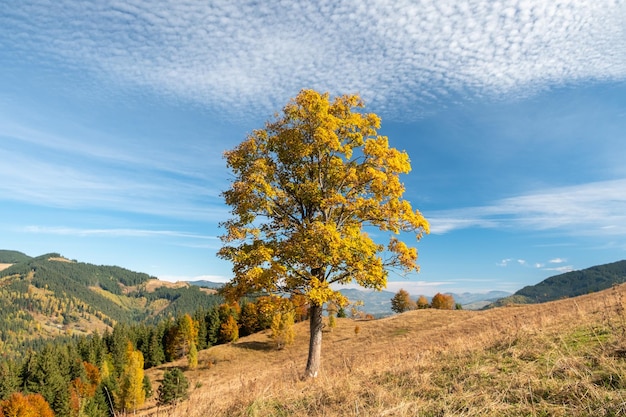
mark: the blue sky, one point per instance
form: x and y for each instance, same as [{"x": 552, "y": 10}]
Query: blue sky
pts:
[{"x": 114, "y": 116}]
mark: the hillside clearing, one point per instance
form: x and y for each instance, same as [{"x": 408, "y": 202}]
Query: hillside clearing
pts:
[
  {"x": 561, "y": 358},
  {"x": 60, "y": 259}
]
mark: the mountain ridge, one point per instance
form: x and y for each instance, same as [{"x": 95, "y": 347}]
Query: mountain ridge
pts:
[
  {"x": 49, "y": 295},
  {"x": 569, "y": 284}
]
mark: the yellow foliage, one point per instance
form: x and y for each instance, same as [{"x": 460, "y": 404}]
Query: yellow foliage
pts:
[
  {"x": 319, "y": 291},
  {"x": 282, "y": 329},
  {"x": 132, "y": 394},
  {"x": 105, "y": 369},
  {"x": 442, "y": 302},
  {"x": 422, "y": 302},
  {"x": 305, "y": 189},
  {"x": 20, "y": 405},
  {"x": 229, "y": 331},
  {"x": 192, "y": 356}
]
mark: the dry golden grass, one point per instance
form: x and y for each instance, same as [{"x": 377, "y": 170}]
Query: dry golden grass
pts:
[
  {"x": 60, "y": 259},
  {"x": 5, "y": 266},
  {"x": 565, "y": 358},
  {"x": 152, "y": 285}
]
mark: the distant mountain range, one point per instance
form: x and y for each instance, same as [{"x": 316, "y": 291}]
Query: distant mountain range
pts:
[
  {"x": 378, "y": 303},
  {"x": 206, "y": 284},
  {"x": 476, "y": 301},
  {"x": 569, "y": 284},
  {"x": 50, "y": 295}
]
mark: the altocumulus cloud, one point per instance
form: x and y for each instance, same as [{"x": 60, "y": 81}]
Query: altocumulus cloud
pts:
[{"x": 251, "y": 56}]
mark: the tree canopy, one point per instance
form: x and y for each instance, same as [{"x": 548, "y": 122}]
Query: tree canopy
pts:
[
  {"x": 402, "y": 302},
  {"x": 442, "y": 301},
  {"x": 306, "y": 189}
]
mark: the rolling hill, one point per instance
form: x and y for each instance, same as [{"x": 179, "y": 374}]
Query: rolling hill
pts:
[
  {"x": 49, "y": 295},
  {"x": 12, "y": 257},
  {"x": 561, "y": 358},
  {"x": 569, "y": 284}
]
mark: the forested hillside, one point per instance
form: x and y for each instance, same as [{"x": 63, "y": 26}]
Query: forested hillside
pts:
[
  {"x": 569, "y": 284},
  {"x": 75, "y": 338},
  {"x": 11, "y": 257},
  {"x": 49, "y": 295},
  {"x": 99, "y": 371}
]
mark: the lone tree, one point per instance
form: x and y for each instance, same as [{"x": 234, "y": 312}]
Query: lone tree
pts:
[
  {"x": 402, "y": 302},
  {"x": 304, "y": 190},
  {"x": 422, "y": 302},
  {"x": 442, "y": 301}
]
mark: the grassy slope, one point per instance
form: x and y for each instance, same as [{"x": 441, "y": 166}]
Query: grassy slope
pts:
[{"x": 564, "y": 358}]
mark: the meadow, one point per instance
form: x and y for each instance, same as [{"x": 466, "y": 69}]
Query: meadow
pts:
[{"x": 562, "y": 358}]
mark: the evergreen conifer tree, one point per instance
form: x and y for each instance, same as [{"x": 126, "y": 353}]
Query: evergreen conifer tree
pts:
[{"x": 173, "y": 388}]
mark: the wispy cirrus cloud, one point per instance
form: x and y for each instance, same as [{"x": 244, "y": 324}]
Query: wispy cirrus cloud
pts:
[
  {"x": 597, "y": 208},
  {"x": 242, "y": 55},
  {"x": 561, "y": 269},
  {"x": 172, "y": 237},
  {"x": 181, "y": 278},
  {"x": 96, "y": 147},
  {"x": 84, "y": 184},
  {"x": 113, "y": 232}
]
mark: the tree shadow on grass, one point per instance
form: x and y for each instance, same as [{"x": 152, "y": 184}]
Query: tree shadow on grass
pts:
[{"x": 261, "y": 346}]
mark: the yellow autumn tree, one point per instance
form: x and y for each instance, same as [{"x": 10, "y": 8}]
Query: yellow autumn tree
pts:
[
  {"x": 192, "y": 357},
  {"x": 229, "y": 330},
  {"x": 422, "y": 302},
  {"x": 301, "y": 306},
  {"x": 132, "y": 394},
  {"x": 188, "y": 339},
  {"x": 305, "y": 189},
  {"x": 182, "y": 340},
  {"x": 20, "y": 405},
  {"x": 442, "y": 301},
  {"x": 282, "y": 331}
]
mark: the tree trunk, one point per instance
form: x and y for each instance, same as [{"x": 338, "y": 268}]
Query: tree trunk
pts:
[{"x": 315, "y": 342}]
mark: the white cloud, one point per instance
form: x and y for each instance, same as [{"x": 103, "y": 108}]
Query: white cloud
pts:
[
  {"x": 504, "y": 262},
  {"x": 70, "y": 231},
  {"x": 561, "y": 269},
  {"x": 557, "y": 261},
  {"x": 89, "y": 183},
  {"x": 597, "y": 208},
  {"x": 538, "y": 265},
  {"x": 508, "y": 261},
  {"x": 236, "y": 55},
  {"x": 181, "y": 278}
]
